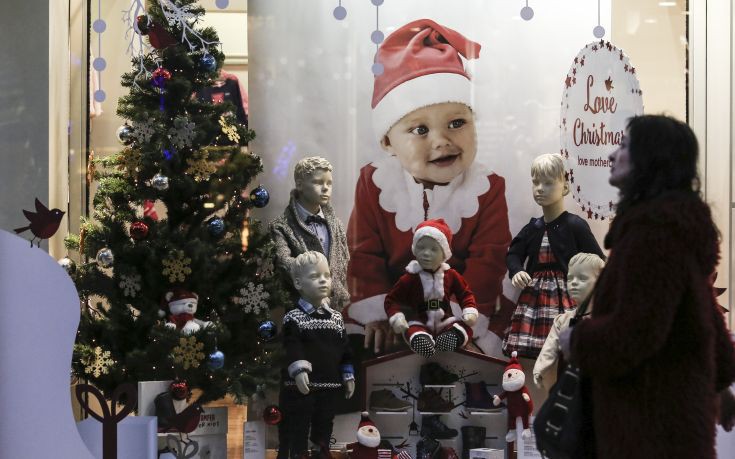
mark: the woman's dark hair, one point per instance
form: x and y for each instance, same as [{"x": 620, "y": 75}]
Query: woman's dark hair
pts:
[{"x": 663, "y": 155}]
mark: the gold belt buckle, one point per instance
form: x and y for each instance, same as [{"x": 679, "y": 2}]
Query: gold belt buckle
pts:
[{"x": 433, "y": 305}]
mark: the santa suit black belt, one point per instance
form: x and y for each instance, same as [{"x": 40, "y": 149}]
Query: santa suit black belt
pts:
[{"x": 434, "y": 305}]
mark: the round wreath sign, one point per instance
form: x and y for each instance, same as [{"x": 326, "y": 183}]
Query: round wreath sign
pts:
[{"x": 601, "y": 91}]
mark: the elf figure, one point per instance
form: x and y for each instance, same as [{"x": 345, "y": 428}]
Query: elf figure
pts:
[
  {"x": 516, "y": 397},
  {"x": 418, "y": 305},
  {"x": 423, "y": 118}
]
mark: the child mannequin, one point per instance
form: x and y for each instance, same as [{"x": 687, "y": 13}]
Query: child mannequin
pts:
[
  {"x": 584, "y": 269},
  {"x": 545, "y": 244},
  {"x": 309, "y": 223},
  {"x": 423, "y": 118},
  {"x": 418, "y": 305},
  {"x": 320, "y": 361}
]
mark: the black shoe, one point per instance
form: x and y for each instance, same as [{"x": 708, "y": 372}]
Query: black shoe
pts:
[
  {"x": 423, "y": 345},
  {"x": 449, "y": 341},
  {"x": 432, "y": 426},
  {"x": 433, "y": 374},
  {"x": 431, "y": 401},
  {"x": 472, "y": 437},
  {"x": 427, "y": 448}
]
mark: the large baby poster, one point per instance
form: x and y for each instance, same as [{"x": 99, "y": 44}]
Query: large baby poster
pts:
[{"x": 318, "y": 88}]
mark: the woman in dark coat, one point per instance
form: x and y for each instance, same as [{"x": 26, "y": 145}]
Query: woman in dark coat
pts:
[{"x": 656, "y": 348}]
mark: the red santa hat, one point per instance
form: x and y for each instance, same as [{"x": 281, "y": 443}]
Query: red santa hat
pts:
[
  {"x": 421, "y": 66},
  {"x": 175, "y": 294},
  {"x": 437, "y": 230},
  {"x": 514, "y": 364},
  {"x": 365, "y": 420}
]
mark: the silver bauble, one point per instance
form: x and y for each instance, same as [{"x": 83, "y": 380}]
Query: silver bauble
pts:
[
  {"x": 160, "y": 182},
  {"x": 105, "y": 258},
  {"x": 125, "y": 134}
]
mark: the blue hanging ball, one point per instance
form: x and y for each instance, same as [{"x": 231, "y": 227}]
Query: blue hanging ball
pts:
[
  {"x": 208, "y": 63},
  {"x": 267, "y": 330},
  {"x": 260, "y": 196},
  {"x": 216, "y": 227},
  {"x": 216, "y": 360}
]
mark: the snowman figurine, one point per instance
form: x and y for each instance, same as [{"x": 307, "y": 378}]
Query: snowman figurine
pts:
[
  {"x": 182, "y": 305},
  {"x": 368, "y": 439},
  {"x": 517, "y": 398}
]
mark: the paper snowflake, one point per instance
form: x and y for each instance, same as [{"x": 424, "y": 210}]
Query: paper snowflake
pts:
[
  {"x": 130, "y": 284},
  {"x": 189, "y": 352},
  {"x": 182, "y": 134},
  {"x": 200, "y": 167},
  {"x": 99, "y": 363},
  {"x": 177, "y": 267},
  {"x": 229, "y": 129},
  {"x": 253, "y": 299},
  {"x": 265, "y": 267},
  {"x": 144, "y": 130},
  {"x": 130, "y": 160},
  {"x": 182, "y": 17}
]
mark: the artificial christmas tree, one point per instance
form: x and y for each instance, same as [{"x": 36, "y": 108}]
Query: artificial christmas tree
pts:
[{"x": 189, "y": 158}]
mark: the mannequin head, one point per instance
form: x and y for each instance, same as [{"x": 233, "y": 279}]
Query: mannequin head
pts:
[
  {"x": 311, "y": 277},
  {"x": 429, "y": 253},
  {"x": 584, "y": 269},
  {"x": 313, "y": 183},
  {"x": 549, "y": 183},
  {"x": 663, "y": 154}
]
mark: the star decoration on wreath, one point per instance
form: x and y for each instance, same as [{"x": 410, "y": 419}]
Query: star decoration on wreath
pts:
[
  {"x": 200, "y": 167},
  {"x": 189, "y": 352},
  {"x": 177, "y": 267},
  {"x": 99, "y": 363},
  {"x": 229, "y": 129}
]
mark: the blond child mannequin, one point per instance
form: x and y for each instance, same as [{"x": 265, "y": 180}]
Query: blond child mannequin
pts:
[
  {"x": 545, "y": 245},
  {"x": 584, "y": 269},
  {"x": 423, "y": 119},
  {"x": 319, "y": 360}
]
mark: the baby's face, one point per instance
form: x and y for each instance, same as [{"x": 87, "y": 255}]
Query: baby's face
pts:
[
  {"x": 314, "y": 282},
  {"x": 580, "y": 280},
  {"x": 434, "y": 144},
  {"x": 429, "y": 253},
  {"x": 548, "y": 190}
]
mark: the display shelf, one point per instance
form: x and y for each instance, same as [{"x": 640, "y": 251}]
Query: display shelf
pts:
[
  {"x": 439, "y": 386},
  {"x": 428, "y": 413},
  {"x": 403, "y": 413},
  {"x": 485, "y": 413}
]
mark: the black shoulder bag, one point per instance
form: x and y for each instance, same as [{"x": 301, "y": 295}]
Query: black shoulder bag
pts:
[{"x": 560, "y": 426}]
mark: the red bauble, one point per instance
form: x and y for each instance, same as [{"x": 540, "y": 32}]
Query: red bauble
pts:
[
  {"x": 272, "y": 415},
  {"x": 161, "y": 74},
  {"x": 138, "y": 230},
  {"x": 179, "y": 389}
]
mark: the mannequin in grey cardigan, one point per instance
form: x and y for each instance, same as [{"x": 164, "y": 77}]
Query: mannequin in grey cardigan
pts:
[{"x": 308, "y": 223}]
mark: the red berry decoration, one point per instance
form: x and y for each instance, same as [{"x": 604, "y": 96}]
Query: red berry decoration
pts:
[
  {"x": 138, "y": 230},
  {"x": 159, "y": 77},
  {"x": 179, "y": 389},
  {"x": 272, "y": 415}
]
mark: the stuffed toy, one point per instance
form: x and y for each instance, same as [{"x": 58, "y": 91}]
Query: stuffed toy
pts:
[
  {"x": 182, "y": 305},
  {"x": 517, "y": 399},
  {"x": 368, "y": 440}
]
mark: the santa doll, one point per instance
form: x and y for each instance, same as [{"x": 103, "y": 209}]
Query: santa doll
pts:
[
  {"x": 418, "y": 304},
  {"x": 368, "y": 440},
  {"x": 516, "y": 398}
]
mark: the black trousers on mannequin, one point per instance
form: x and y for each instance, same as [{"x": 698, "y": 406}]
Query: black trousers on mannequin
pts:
[{"x": 300, "y": 412}]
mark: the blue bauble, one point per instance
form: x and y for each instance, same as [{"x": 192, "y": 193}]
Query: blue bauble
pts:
[
  {"x": 260, "y": 196},
  {"x": 216, "y": 360},
  {"x": 267, "y": 330},
  {"x": 216, "y": 227},
  {"x": 208, "y": 63}
]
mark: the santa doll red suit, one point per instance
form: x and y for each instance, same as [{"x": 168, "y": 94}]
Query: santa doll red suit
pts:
[
  {"x": 424, "y": 73},
  {"x": 368, "y": 440},
  {"x": 516, "y": 398},
  {"x": 418, "y": 305}
]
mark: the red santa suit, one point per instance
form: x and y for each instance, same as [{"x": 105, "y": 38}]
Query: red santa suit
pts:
[
  {"x": 389, "y": 204},
  {"x": 411, "y": 298}
]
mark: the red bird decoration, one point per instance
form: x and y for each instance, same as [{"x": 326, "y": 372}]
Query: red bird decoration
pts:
[{"x": 43, "y": 222}]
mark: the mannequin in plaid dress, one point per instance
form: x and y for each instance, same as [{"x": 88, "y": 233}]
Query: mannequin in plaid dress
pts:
[{"x": 545, "y": 245}]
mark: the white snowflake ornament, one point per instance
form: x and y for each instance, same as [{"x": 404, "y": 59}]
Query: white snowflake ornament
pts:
[
  {"x": 130, "y": 284},
  {"x": 144, "y": 130},
  {"x": 182, "y": 134},
  {"x": 253, "y": 299},
  {"x": 265, "y": 267}
]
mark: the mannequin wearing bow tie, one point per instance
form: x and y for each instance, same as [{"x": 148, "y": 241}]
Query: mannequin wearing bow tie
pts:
[{"x": 308, "y": 224}]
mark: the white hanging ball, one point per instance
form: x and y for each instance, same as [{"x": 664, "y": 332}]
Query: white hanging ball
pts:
[
  {"x": 99, "y": 64},
  {"x": 598, "y": 31},
  {"x": 377, "y": 2},
  {"x": 340, "y": 13},
  {"x": 378, "y": 68},
  {"x": 99, "y": 95},
  {"x": 222, "y": 4},
  {"x": 377, "y": 37},
  {"x": 527, "y": 13}
]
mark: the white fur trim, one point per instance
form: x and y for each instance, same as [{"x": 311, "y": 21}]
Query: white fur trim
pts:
[
  {"x": 371, "y": 309},
  {"x": 434, "y": 88},
  {"x": 298, "y": 366},
  {"x": 422, "y": 333},
  {"x": 436, "y": 235},
  {"x": 470, "y": 311},
  {"x": 400, "y": 194},
  {"x": 437, "y": 321},
  {"x": 396, "y": 317},
  {"x": 432, "y": 283}
]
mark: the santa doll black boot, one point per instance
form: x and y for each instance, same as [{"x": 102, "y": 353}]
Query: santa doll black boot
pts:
[
  {"x": 423, "y": 345},
  {"x": 449, "y": 341}
]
